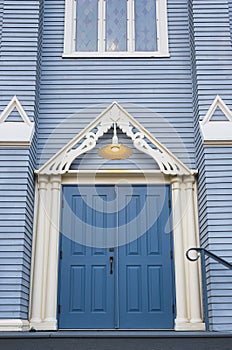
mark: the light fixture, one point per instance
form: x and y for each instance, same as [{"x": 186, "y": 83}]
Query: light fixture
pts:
[{"x": 115, "y": 151}]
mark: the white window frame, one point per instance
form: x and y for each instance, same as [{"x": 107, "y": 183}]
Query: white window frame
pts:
[{"x": 70, "y": 32}]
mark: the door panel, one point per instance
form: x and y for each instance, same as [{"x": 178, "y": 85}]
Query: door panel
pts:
[
  {"x": 145, "y": 278},
  {"x": 127, "y": 286},
  {"x": 86, "y": 287}
]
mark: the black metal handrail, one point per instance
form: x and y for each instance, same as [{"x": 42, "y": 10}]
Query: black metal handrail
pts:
[{"x": 203, "y": 253}]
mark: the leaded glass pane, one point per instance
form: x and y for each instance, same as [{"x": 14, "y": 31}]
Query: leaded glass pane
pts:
[
  {"x": 116, "y": 25},
  {"x": 145, "y": 25},
  {"x": 87, "y": 25}
]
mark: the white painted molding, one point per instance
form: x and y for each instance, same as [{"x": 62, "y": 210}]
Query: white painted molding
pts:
[
  {"x": 69, "y": 27},
  {"x": 217, "y": 133},
  {"x": 193, "y": 288},
  {"x": 181, "y": 293},
  {"x": 218, "y": 102},
  {"x": 44, "y": 290},
  {"x": 15, "y": 134},
  {"x": 44, "y": 325},
  {"x": 138, "y": 54},
  {"x": 61, "y": 162},
  {"x": 14, "y": 103},
  {"x": 14, "y": 325},
  {"x": 190, "y": 327},
  {"x": 162, "y": 28},
  {"x": 187, "y": 275}
]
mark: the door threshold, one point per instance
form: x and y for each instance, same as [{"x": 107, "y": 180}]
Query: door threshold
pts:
[
  {"x": 115, "y": 332},
  {"x": 124, "y": 333}
]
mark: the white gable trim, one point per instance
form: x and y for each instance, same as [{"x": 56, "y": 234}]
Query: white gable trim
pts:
[
  {"x": 60, "y": 163},
  {"x": 217, "y": 133},
  {"x": 218, "y": 102},
  {"x": 14, "y": 103},
  {"x": 15, "y": 134}
]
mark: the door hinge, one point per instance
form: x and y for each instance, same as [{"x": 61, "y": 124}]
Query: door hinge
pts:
[
  {"x": 171, "y": 254},
  {"x": 62, "y": 202},
  {"x": 58, "y": 309},
  {"x": 173, "y": 308},
  {"x": 169, "y": 203},
  {"x": 61, "y": 254}
]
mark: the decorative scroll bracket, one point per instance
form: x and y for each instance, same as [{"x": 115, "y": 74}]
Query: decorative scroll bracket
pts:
[{"x": 87, "y": 140}]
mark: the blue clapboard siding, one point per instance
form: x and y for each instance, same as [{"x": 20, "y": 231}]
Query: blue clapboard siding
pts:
[
  {"x": 218, "y": 169},
  {"x": 143, "y": 86},
  {"x": 230, "y": 14},
  {"x": 15, "y": 232},
  {"x": 74, "y": 91},
  {"x": 167, "y": 96},
  {"x": 213, "y": 51},
  {"x": 19, "y": 53},
  {"x": 1, "y": 20},
  {"x": 18, "y": 57},
  {"x": 210, "y": 30}
]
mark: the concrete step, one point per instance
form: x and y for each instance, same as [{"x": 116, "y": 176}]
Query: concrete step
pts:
[{"x": 116, "y": 340}]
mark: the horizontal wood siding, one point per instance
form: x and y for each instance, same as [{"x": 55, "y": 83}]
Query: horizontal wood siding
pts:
[
  {"x": 230, "y": 14},
  {"x": 15, "y": 232},
  {"x": 168, "y": 96},
  {"x": 19, "y": 53},
  {"x": 212, "y": 66},
  {"x": 19, "y": 76},
  {"x": 1, "y": 20},
  {"x": 157, "y": 92},
  {"x": 218, "y": 168}
]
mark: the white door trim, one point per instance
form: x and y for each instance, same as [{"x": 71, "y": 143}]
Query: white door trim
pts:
[{"x": 44, "y": 284}]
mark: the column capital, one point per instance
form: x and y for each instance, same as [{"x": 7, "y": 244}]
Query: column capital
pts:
[
  {"x": 42, "y": 182},
  {"x": 189, "y": 180},
  {"x": 176, "y": 181},
  {"x": 55, "y": 181}
]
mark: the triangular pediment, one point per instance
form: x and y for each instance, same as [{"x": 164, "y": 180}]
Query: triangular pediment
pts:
[
  {"x": 218, "y": 104},
  {"x": 142, "y": 140},
  {"x": 216, "y": 126},
  {"x": 14, "y": 104},
  {"x": 16, "y": 130}
]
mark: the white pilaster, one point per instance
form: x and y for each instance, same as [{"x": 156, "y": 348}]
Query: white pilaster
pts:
[
  {"x": 38, "y": 273},
  {"x": 193, "y": 267},
  {"x": 181, "y": 304},
  {"x": 52, "y": 268}
]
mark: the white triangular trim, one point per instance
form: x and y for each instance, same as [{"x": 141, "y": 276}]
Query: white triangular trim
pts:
[
  {"x": 217, "y": 132},
  {"x": 218, "y": 102},
  {"x": 18, "y": 133},
  {"x": 60, "y": 163},
  {"x": 14, "y": 103}
]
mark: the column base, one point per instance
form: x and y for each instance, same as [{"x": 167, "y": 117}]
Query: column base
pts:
[
  {"x": 44, "y": 325},
  {"x": 188, "y": 326},
  {"x": 14, "y": 325}
]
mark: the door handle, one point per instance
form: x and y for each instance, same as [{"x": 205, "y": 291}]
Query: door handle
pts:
[{"x": 111, "y": 265}]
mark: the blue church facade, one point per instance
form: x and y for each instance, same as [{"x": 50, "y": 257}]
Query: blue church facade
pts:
[{"x": 90, "y": 243}]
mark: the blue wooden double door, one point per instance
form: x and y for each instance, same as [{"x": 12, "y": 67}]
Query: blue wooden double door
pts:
[{"x": 115, "y": 258}]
